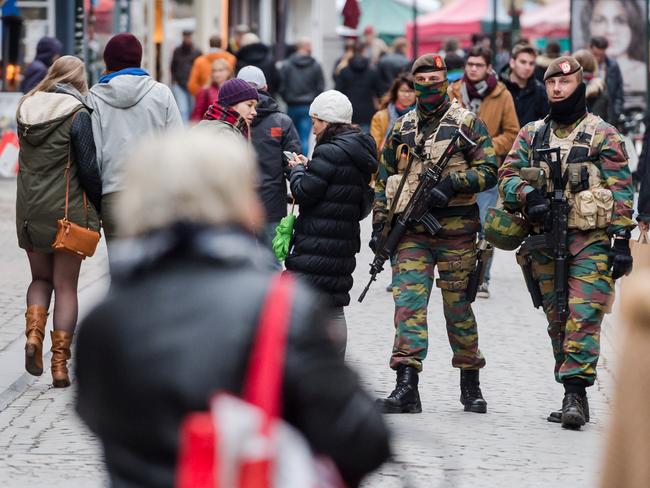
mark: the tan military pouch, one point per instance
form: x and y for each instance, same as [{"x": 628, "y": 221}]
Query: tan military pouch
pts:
[
  {"x": 605, "y": 204},
  {"x": 536, "y": 177},
  {"x": 583, "y": 210},
  {"x": 392, "y": 187}
]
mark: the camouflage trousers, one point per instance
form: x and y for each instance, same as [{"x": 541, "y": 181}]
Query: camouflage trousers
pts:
[
  {"x": 576, "y": 346},
  {"x": 413, "y": 274}
]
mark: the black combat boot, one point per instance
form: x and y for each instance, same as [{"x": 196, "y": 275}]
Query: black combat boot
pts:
[
  {"x": 470, "y": 391},
  {"x": 556, "y": 416},
  {"x": 405, "y": 398},
  {"x": 574, "y": 408}
]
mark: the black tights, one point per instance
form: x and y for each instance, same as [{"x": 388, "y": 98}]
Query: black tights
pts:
[{"x": 58, "y": 272}]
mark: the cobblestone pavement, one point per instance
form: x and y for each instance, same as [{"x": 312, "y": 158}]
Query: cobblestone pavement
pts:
[{"x": 43, "y": 444}]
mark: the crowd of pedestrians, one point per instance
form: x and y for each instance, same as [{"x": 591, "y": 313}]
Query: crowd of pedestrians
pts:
[{"x": 192, "y": 208}]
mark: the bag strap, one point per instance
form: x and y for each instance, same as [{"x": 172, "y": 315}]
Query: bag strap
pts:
[
  {"x": 68, "y": 168},
  {"x": 263, "y": 382}
]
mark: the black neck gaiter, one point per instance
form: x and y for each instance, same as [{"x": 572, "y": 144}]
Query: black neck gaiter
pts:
[{"x": 567, "y": 111}]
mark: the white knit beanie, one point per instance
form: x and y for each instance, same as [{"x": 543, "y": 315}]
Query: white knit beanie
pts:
[{"x": 332, "y": 106}]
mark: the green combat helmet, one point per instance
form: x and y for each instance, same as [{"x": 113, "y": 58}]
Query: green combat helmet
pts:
[{"x": 505, "y": 230}]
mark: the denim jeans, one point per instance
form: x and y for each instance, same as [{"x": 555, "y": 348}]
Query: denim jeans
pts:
[
  {"x": 184, "y": 100},
  {"x": 485, "y": 200},
  {"x": 300, "y": 116}
]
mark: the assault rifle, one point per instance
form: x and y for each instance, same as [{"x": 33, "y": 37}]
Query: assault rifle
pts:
[
  {"x": 555, "y": 239},
  {"x": 417, "y": 210}
]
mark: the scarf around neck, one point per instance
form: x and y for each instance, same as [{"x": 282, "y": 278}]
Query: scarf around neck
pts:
[
  {"x": 570, "y": 109},
  {"x": 126, "y": 71},
  {"x": 227, "y": 115},
  {"x": 431, "y": 98},
  {"x": 473, "y": 93}
]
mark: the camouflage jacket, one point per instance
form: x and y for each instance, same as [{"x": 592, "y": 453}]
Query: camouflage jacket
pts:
[
  {"x": 608, "y": 150},
  {"x": 482, "y": 162}
]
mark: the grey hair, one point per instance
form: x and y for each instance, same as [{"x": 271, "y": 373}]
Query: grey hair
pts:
[{"x": 194, "y": 176}]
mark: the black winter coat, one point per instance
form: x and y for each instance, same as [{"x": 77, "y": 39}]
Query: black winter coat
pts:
[
  {"x": 260, "y": 55},
  {"x": 176, "y": 327},
  {"x": 329, "y": 191},
  {"x": 614, "y": 83},
  {"x": 301, "y": 80},
  {"x": 360, "y": 83},
  {"x": 531, "y": 102},
  {"x": 273, "y": 133},
  {"x": 389, "y": 66}
]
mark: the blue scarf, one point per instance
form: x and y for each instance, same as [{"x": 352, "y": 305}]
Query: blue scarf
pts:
[{"x": 127, "y": 71}]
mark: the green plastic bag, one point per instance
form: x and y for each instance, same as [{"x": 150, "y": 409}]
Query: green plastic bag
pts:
[{"x": 283, "y": 234}]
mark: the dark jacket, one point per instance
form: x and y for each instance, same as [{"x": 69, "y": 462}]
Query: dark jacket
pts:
[
  {"x": 182, "y": 61},
  {"x": 260, "y": 55},
  {"x": 614, "y": 82},
  {"x": 597, "y": 98},
  {"x": 301, "y": 80},
  {"x": 531, "y": 102},
  {"x": 360, "y": 83},
  {"x": 54, "y": 127},
  {"x": 329, "y": 191},
  {"x": 389, "y": 66},
  {"x": 643, "y": 175},
  {"x": 46, "y": 49},
  {"x": 273, "y": 133},
  {"x": 163, "y": 341}
]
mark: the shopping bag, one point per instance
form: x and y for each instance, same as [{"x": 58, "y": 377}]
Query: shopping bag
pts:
[
  {"x": 242, "y": 442},
  {"x": 283, "y": 233}
]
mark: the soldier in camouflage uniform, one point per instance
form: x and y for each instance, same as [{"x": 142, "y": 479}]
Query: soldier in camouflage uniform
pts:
[
  {"x": 599, "y": 191},
  {"x": 417, "y": 140}
]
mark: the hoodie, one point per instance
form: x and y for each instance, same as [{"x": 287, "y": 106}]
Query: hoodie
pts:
[
  {"x": 260, "y": 55},
  {"x": 273, "y": 133},
  {"x": 46, "y": 50},
  {"x": 360, "y": 83},
  {"x": 301, "y": 79},
  {"x": 330, "y": 193},
  {"x": 125, "y": 110}
]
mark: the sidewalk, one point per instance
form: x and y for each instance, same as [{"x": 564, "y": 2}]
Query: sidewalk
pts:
[{"x": 43, "y": 444}]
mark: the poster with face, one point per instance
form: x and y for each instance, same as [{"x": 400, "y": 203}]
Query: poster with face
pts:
[{"x": 623, "y": 24}]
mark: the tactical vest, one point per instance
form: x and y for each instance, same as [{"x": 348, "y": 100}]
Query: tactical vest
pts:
[
  {"x": 590, "y": 204},
  {"x": 431, "y": 150}
]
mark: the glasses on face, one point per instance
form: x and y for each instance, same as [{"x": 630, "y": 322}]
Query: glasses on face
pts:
[{"x": 476, "y": 65}]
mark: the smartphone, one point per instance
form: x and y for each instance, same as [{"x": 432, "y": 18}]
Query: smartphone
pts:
[{"x": 290, "y": 155}]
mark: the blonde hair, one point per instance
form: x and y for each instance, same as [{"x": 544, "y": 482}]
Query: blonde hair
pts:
[
  {"x": 193, "y": 176},
  {"x": 222, "y": 63},
  {"x": 66, "y": 69}
]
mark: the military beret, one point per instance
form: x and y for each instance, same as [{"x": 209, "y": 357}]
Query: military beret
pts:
[
  {"x": 562, "y": 66},
  {"x": 427, "y": 63}
]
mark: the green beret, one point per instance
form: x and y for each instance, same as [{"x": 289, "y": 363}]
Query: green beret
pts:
[
  {"x": 428, "y": 63},
  {"x": 562, "y": 66}
]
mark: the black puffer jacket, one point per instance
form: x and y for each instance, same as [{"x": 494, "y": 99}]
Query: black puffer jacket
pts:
[
  {"x": 260, "y": 55},
  {"x": 164, "y": 340},
  {"x": 329, "y": 192},
  {"x": 273, "y": 133}
]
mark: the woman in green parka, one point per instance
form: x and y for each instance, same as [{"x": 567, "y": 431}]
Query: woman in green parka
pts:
[{"x": 54, "y": 126}]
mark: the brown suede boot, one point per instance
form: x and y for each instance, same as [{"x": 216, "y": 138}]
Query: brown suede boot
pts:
[
  {"x": 36, "y": 317},
  {"x": 61, "y": 341}
]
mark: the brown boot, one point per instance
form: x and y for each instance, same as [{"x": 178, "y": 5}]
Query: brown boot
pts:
[
  {"x": 36, "y": 317},
  {"x": 61, "y": 341}
]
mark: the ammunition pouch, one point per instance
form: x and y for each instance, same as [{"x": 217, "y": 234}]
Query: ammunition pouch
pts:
[{"x": 452, "y": 285}]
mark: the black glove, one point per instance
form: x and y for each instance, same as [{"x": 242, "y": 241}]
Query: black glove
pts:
[
  {"x": 621, "y": 258},
  {"x": 440, "y": 195},
  {"x": 536, "y": 207},
  {"x": 377, "y": 229}
]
